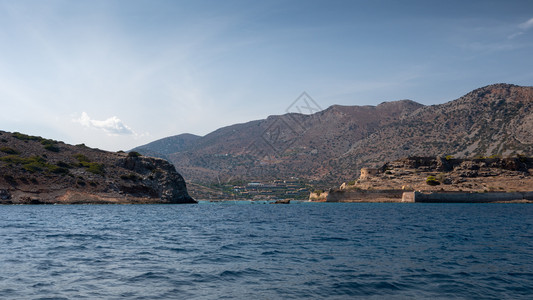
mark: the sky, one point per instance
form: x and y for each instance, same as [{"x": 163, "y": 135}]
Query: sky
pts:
[{"x": 117, "y": 74}]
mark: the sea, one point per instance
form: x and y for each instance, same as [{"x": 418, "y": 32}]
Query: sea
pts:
[{"x": 240, "y": 250}]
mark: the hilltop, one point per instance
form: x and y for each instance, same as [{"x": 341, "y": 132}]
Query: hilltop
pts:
[
  {"x": 331, "y": 146},
  {"x": 35, "y": 170}
]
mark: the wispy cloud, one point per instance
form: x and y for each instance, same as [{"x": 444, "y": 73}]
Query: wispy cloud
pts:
[
  {"x": 527, "y": 24},
  {"x": 112, "y": 125},
  {"x": 524, "y": 26},
  {"x": 512, "y": 36}
]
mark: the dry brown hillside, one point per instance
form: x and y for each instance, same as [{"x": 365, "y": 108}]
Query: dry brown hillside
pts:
[{"x": 332, "y": 145}]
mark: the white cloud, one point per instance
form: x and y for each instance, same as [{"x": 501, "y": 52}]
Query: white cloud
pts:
[
  {"x": 112, "y": 126},
  {"x": 527, "y": 24},
  {"x": 512, "y": 36},
  {"x": 524, "y": 26}
]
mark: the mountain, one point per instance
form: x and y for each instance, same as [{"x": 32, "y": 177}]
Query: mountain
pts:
[
  {"x": 493, "y": 120},
  {"x": 332, "y": 145},
  {"x": 34, "y": 170},
  {"x": 161, "y": 148},
  {"x": 282, "y": 146}
]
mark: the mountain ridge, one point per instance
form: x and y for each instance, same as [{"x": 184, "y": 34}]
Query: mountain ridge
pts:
[{"x": 333, "y": 144}]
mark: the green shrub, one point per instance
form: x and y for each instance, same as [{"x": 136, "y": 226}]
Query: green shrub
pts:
[
  {"x": 131, "y": 176},
  {"x": 134, "y": 154},
  {"x": 9, "y": 150},
  {"x": 431, "y": 180},
  {"x": 34, "y": 167},
  {"x": 25, "y": 137},
  {"x": 48, "y": 142},
  {"x": 92, "y": 167},
  {"x": 63, "y": 165},
  {"x": 352, "y": 182},
  {"x": 59, "y": 170},
  {"x": 448, "y": 157},
  {"x": 34, "y": 164},
  {"x": 52, "y": 148},
  {"x": 96, "y": 168},
  {"x": 81, "y": 158},
  {"x": 50, "y": 145},
  {"x": 15, "y": 159}
]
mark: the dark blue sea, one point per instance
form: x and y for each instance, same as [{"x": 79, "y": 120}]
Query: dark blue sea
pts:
[{"x": 296, "y": 251}]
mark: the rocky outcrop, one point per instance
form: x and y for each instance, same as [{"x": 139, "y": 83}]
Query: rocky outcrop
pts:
[
  {"x": 441, "y": 179},
  {"x": 34, "y": 170},
  {"x": 158, "y": 179}
]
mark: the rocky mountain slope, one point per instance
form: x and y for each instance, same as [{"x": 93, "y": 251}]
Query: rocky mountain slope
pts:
[
  {"x": 494, "y": 120},
  {"x": 282, "y": 146},
  {"x": 34, "y": 170},
  {"x": 163, "y": 147},
  {"x": 332, "y": 145}
]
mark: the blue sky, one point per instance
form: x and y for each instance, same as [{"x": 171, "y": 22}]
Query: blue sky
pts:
[{"x": 118, "y": 74}]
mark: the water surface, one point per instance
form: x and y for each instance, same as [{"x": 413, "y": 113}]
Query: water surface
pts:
[{"x": 297, "y": 251}]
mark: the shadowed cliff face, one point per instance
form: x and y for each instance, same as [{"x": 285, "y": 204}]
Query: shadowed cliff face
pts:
[
  {"x": 34, "y": 170},
  {"x": 333, "y": 144},
  {"x": 158, "y": 177}
]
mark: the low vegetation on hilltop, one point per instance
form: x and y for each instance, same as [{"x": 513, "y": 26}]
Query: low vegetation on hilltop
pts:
[{"x": 36, "y": 170}]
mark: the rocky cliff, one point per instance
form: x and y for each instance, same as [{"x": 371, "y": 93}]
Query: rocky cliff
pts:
[{"x": 34, "y": 170}]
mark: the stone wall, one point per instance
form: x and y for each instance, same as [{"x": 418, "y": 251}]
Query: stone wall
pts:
[
  {"x": 469, "y": 197},
  {"x": 365, "y": 196}
]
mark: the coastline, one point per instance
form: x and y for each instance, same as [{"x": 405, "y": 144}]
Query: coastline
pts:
[{"x": 402, "y": 196}]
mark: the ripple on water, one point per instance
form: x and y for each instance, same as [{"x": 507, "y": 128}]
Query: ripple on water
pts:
[{"x": 335, "y": 251}]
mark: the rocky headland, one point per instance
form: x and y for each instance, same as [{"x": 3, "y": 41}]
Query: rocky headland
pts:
[
  {"x": 494, "y": 179},
  {"x": 35, "y": 170}
]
